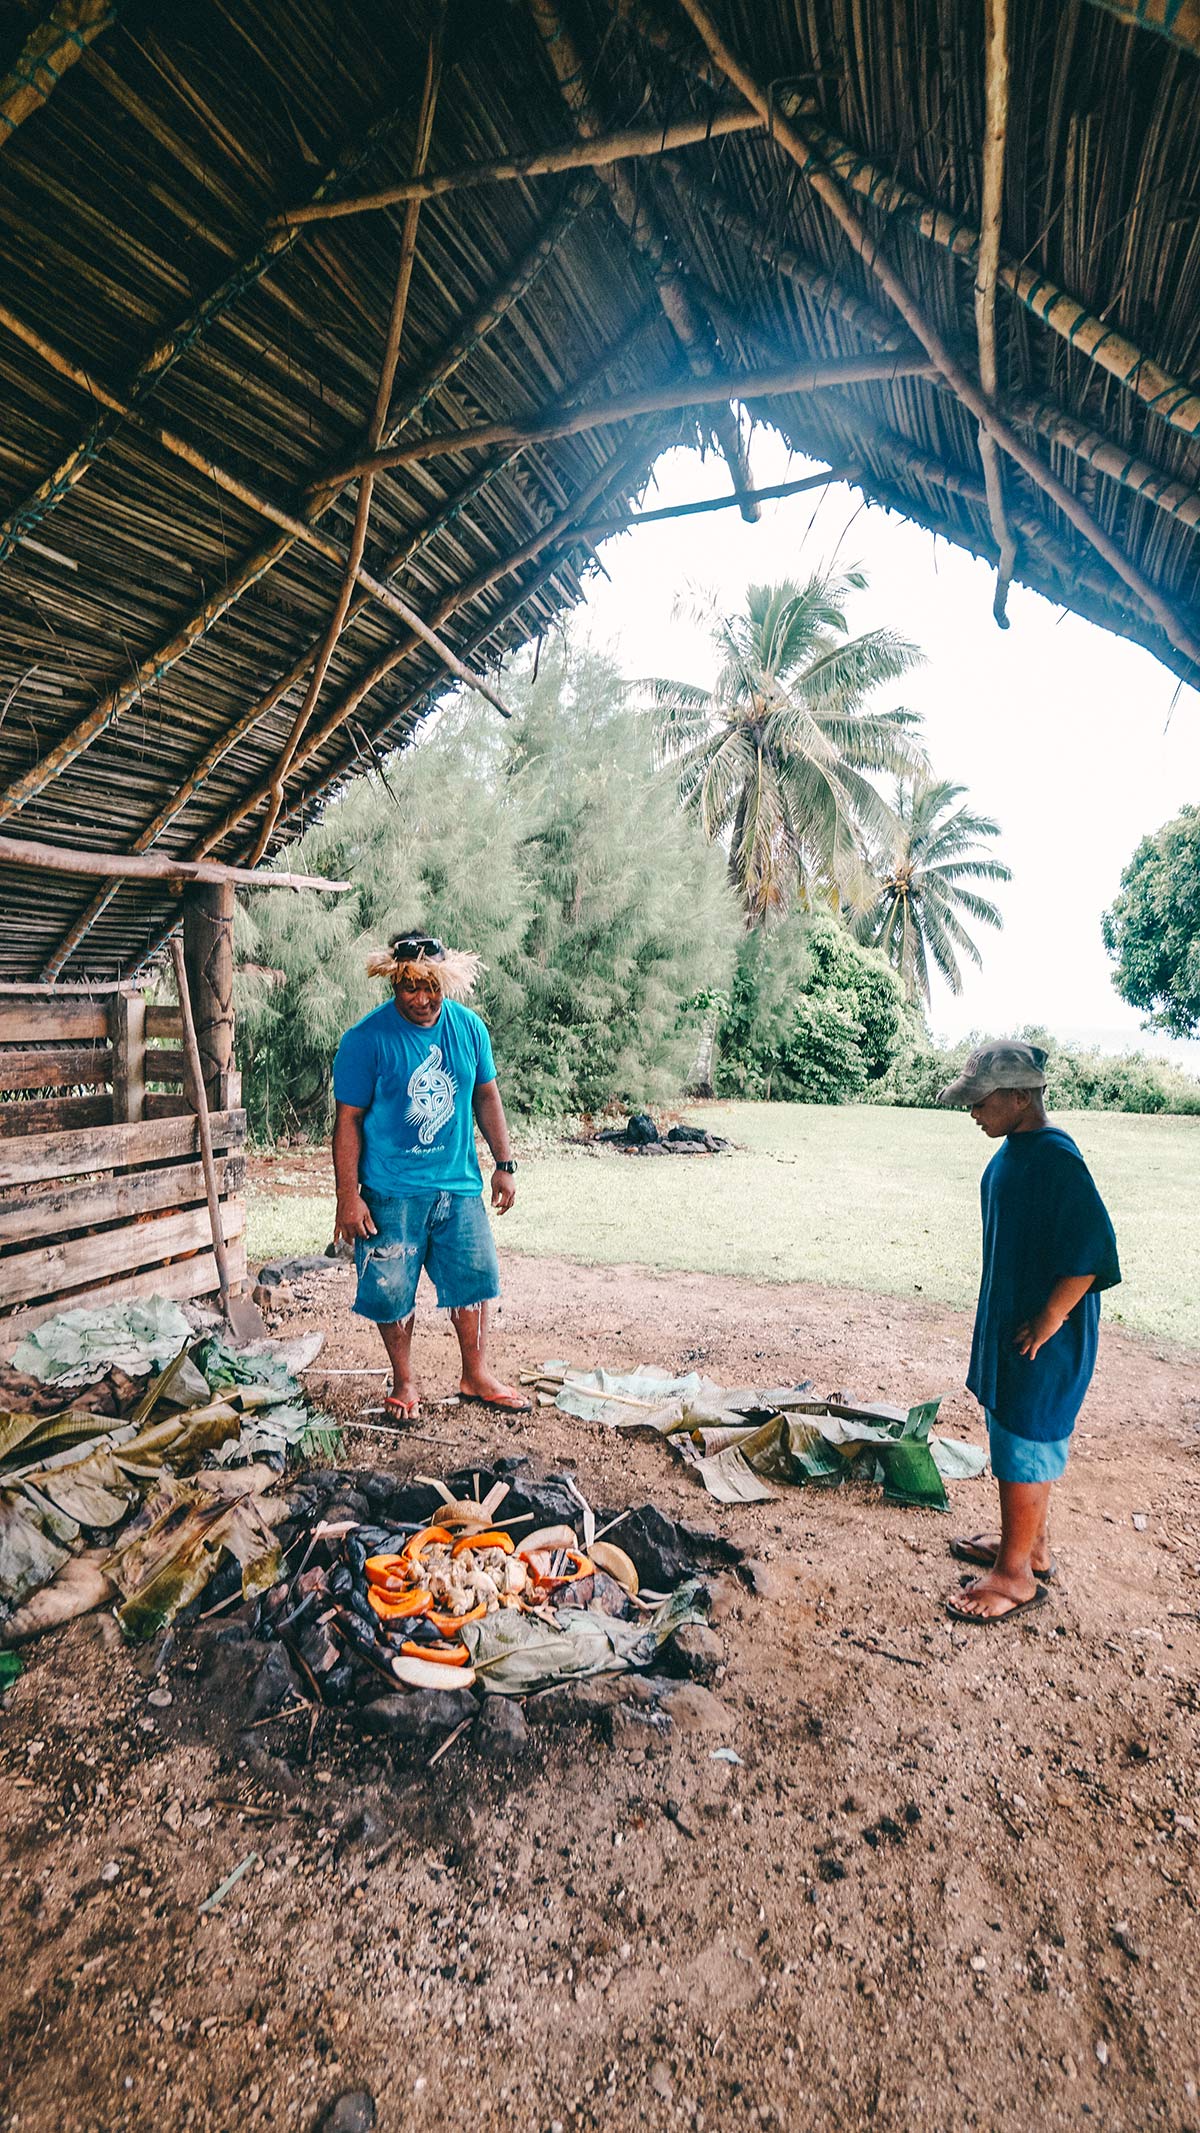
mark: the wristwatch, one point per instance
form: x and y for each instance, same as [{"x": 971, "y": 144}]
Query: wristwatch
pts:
[{"x": 509, "y": 1167}]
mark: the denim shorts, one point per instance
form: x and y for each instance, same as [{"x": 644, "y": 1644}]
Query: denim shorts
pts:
[
  {"x": 447, "y": 1233},
  {"x": 1017, "y": 1458}
]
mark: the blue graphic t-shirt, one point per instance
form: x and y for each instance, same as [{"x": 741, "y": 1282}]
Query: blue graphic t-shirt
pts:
[
  {"x": 416, "y": 1087},
  {"x": 1042, "y": 1219}
]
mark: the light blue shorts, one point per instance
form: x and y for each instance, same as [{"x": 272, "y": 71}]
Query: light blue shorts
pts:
[
  {"x": 447, "y": 1233},
  {"x": 1026, "y": 1458}
]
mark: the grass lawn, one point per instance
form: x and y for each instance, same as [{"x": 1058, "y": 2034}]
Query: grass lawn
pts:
[{"x": 864, "y": 1197}]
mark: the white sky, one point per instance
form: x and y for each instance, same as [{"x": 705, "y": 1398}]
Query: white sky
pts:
[{"x": 1062, "y": 733}]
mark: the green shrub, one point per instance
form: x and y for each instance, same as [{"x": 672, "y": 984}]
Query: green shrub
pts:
[
  {"x": 1076, "y": 1079},
  {"x": 810, "y": 1017}
]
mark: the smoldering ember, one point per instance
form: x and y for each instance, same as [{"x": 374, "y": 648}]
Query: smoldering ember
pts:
[{"x": 598, "y": 1640}]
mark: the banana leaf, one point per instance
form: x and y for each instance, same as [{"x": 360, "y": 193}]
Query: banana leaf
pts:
[
  {"x": 25, "y": 1434},
  {"x": 29, "y": 1556},
  {"x": 176, "y": 1543},
  {"x": 513, "y": 1654}
]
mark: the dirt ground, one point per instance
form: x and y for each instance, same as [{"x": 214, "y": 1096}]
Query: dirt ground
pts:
[{"x": 950, "y": 1883}]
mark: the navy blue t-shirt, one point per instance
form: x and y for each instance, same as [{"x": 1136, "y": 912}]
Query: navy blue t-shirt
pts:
[
  {"x": 416, "y": 1087},
  {"x": 1042, "y": 1220}
]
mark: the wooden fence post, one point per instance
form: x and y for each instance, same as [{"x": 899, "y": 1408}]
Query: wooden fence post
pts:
[
  {"x": 127, "y": 1031},
  {"x": 208, "y": 953}
]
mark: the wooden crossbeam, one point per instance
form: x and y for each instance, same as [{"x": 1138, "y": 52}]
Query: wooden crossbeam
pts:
[
  {"x": 807, "y": 377},
  {"x": 590, "y": 154},
  {"x": 146, "y": 866},
  {"x": 48, "y": 53},
  {"x": 792, "y": 141}
]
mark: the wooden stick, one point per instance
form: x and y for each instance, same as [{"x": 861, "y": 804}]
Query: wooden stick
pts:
[
  {"x": 199, "y": 1098},
  {"x": 1177, "y": 20},
  {"x": 47, "y": 54},
  {"x": 692, "y": 331},
  {"x": 794, "y": 145},
  {"x": 1094, "y": 449},
  {"x": 599, "y": 527},
  {"x": 808, "y": 377},
  {"x": 589, "y": 154},
  {"x": 995, "y": 136},
  {"x": 150, "y": 866},
  {"x": 300, "y": 529},
  {"x": 383, "y": 395}
]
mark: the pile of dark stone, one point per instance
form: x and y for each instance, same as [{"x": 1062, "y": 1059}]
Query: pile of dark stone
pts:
[
  {"x": 311, "y": 1639},
  {"x": 640, "y": 1136}
]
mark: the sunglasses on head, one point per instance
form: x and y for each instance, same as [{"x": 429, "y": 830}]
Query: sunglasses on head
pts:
[{"x": 411, "y": 947}]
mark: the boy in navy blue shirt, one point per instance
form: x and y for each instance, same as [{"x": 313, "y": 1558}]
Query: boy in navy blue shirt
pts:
[
  {"x": 1048, "y": 1251},
  {"x": 412, "y": 1081}
]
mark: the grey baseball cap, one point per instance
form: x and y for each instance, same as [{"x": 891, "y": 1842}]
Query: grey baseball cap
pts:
[{"x": 996, "y": 1066}]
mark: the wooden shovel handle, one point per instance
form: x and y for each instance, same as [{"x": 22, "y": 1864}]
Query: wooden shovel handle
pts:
[{"x": 199, "y": 1098}]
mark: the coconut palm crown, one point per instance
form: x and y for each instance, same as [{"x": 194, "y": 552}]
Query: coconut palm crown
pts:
[
  {"x": 925, "y": 872},
  {"x": 777, "y": 755}
]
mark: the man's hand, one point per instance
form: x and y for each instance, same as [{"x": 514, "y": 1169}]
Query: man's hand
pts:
[
  {"x": 1037, "y": 1331},
  {"x": 353, "y": 1220},
  {"x": 504, "y": 1190}
]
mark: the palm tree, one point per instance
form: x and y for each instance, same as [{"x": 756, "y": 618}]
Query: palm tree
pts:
[
  {"x": 777, "y": 755},
  {"x": 923, "y": 875}
]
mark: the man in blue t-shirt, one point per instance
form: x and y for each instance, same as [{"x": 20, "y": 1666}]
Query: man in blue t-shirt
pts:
[
  {"x": 1048, "y": 1251},
  {"x": 411, "y": 1082}
]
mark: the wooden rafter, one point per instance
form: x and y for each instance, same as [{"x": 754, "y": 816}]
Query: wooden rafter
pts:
[
  {"x": 792, "y": 141},
  {"x": 49, "y": 52},
  {"x": 995, "y": 136},
  {"x": 590, "y": 154},
  {"x": 692, "y": 331},
  {"x": 146, "y": 866},
  {"x": 375, "y": 432},
  {"x": 807, "y": 377}
]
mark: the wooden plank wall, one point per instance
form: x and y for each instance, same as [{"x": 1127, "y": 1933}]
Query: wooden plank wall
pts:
[{"x": 101, "y": 1186}]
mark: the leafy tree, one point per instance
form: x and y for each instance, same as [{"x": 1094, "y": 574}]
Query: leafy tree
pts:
[
  {"x": 777, "y": 756},
  {"x": 811, "y": 1017},
  {"x": 556, "y": 850},
  {"x": 924, "y": 870},
  {"x": 1153, "y": 928}
]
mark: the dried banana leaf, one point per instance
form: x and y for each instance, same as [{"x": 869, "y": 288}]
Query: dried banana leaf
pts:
[
  {"x": 29, "y": 1557},
  {"x": 175, "y": 1545}
]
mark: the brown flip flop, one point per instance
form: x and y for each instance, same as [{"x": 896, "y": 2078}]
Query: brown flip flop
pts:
[
  {"x": 1015, "y": 1607},
  {"x": 971, "y": 1551}
]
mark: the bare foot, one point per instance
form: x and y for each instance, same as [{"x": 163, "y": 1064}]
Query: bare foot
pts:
[
  {"x": 990, "y": 1598},
  {"x": 481, "y": 1385},
  {"x": 403, "y": 1403},
  {"x": 987, "y": 1545}
]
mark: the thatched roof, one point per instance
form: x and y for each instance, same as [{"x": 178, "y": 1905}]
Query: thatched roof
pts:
[{"x": 179, "y": 367}]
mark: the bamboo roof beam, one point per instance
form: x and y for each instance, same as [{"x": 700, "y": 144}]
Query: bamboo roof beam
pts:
[
  {"x": 808, "y": 377},
  {"x": 995, "y": 134},
  {"x": 191, "y": 455},
  {"x": 592, "y": 153},
  {"x": 146, "y": 866},
  {"x": 1177, "y": 20},
  {"x": 792, "y": 141},
  {"x": 19, "y": 522},
  {"x": 693, "y": 332},
  {"x": 599, "y": 529},
  {"x": 375, "y": 433},
  {"x": 48, "y": 53},
  {"x": 1150, "y": 483},
  {"x": 255, "y": 566}
]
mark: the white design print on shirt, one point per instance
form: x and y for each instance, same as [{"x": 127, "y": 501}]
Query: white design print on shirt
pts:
[{"x": 432, "y": 1092}]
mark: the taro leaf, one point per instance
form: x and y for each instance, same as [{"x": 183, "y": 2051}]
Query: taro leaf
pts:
[
  {"x": 12, "y": 1666},
  {"x": 955, "y": 1461},
  {"x": 28, "y": 1556}
]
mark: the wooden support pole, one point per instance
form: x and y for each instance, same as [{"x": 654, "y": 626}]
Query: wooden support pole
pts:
[
  {"x": 208, "y": 953},
  {"x": 793, "y": 143},
  {"x": 808, "y": 377},
  {"x": 147, "y": 866},
  {"x": 48, "y": 53},
  {"x": 692, "y": 331},
  {"x": 590, "y": 154},
  {"x": 987, "y": 265},
  {"x": 301, "y": 529},
  {"x": 1177, "y": 20},
  {"x": 599, "y": 528},
  {"x": 127, "y": 1034}
]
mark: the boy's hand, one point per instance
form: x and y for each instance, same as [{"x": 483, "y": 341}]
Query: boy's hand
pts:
[{"x": 1037, "y": 1331}]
